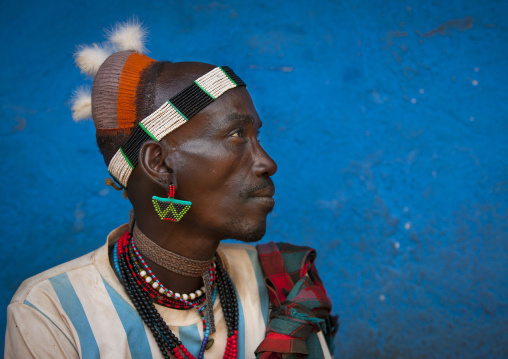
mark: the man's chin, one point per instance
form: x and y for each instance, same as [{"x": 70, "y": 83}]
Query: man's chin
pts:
[
  {"x": 251, "y": 237},
  {"x": 245, "y": 232}
]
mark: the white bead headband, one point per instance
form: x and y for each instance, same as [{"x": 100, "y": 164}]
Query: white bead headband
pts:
[{"x": 171, "y": 115}]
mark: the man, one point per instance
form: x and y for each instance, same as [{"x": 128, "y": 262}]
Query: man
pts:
[{"x": 183, "y": 138}]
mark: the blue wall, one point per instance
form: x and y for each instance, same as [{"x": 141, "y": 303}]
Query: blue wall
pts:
[{"x": 388, "y": 122}]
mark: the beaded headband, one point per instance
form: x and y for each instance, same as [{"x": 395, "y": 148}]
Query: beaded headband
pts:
[
  {"x": 117, "y": 67},
  {"x": 171, "y": 115}
]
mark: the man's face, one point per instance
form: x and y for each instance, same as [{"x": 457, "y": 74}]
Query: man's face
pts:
[{"x": 220, "y": 166}]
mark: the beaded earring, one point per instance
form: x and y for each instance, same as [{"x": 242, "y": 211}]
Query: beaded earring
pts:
[{"x": 170, "y": 209}]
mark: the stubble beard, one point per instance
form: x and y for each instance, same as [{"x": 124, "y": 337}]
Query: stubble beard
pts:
[
  {"x": 239, "y": 229},
  {"x": 242, "y": 229}
]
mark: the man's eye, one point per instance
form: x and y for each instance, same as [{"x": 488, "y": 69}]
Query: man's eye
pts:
[{"x": 237, "y": 134}]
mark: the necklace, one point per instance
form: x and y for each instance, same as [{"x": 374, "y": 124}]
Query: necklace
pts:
[
  {"x": 151, "y": 280},
  {"x": 167, "y": 259},
  {"x": 177, "y": 264},
  {"x": 124, "y": 262}
]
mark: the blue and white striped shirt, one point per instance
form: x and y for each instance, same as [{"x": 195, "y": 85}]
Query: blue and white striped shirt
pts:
[{"x": 80, "y": 310}]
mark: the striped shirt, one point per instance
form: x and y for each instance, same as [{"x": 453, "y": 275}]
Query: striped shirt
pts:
[{"x": 80, "y": 310}]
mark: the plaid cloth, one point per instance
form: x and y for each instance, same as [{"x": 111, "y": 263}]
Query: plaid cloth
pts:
[{"x": 299, "y": 303}]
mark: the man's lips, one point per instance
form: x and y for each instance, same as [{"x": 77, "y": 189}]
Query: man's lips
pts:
[
  {"x": 264, "y": 192},
  {"x": 264, "y": 196}
]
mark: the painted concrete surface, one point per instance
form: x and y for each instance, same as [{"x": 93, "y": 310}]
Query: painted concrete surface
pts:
[{"x": 388, "y": 121}]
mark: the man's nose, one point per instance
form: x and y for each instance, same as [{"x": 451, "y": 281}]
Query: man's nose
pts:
[{"x": 264, "y": 164}]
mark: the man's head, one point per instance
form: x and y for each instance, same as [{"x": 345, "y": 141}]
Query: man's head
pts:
[{"x": 214, "y": 160}]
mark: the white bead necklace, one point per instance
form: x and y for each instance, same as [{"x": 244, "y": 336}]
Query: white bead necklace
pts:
[{"x": 162, "y": 290}]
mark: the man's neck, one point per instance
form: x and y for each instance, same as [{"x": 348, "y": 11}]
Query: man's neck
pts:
[{"x": 186, "y": 242}]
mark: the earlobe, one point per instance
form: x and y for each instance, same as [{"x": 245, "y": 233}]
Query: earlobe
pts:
[{"x": 154, "y": 161}]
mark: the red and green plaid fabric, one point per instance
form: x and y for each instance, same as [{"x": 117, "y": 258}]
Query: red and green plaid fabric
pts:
[{"x": 300, "y": 305}]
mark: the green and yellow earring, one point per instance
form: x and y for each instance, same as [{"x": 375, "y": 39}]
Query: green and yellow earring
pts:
[{"x": 170, "y": 209}]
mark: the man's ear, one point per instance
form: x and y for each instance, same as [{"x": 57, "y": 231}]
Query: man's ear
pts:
[{"x": 154, "y": 160}]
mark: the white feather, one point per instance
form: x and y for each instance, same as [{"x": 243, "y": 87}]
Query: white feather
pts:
[
  {"x": 90, "y": 58},
  {"x": 81, "y": 104},
  {"x": 129, "y": 35}
]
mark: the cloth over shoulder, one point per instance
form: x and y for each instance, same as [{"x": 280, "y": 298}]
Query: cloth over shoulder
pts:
[{"x": 300, "y": 306}]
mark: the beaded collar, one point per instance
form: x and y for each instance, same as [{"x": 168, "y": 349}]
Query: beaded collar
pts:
[{"x": 167, "y": 259}]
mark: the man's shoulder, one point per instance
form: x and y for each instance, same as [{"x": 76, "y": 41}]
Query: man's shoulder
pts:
[
  {"x": 83, "y": 264},
  {"x": 228, "y": 247},
  {"x": 284, "y": 248}
]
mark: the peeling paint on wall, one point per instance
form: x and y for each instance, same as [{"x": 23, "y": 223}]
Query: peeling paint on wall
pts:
[{"x": 392, "y": 117}]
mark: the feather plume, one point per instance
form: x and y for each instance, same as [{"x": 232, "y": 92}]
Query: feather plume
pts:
[
  {"x": 129, "y": 35},
  {"x": 90, "y": 58},
  {"x": 81, "y": 104}
]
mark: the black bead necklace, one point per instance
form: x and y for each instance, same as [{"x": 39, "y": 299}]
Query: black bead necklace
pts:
[{"x": 165, "y": 338}]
